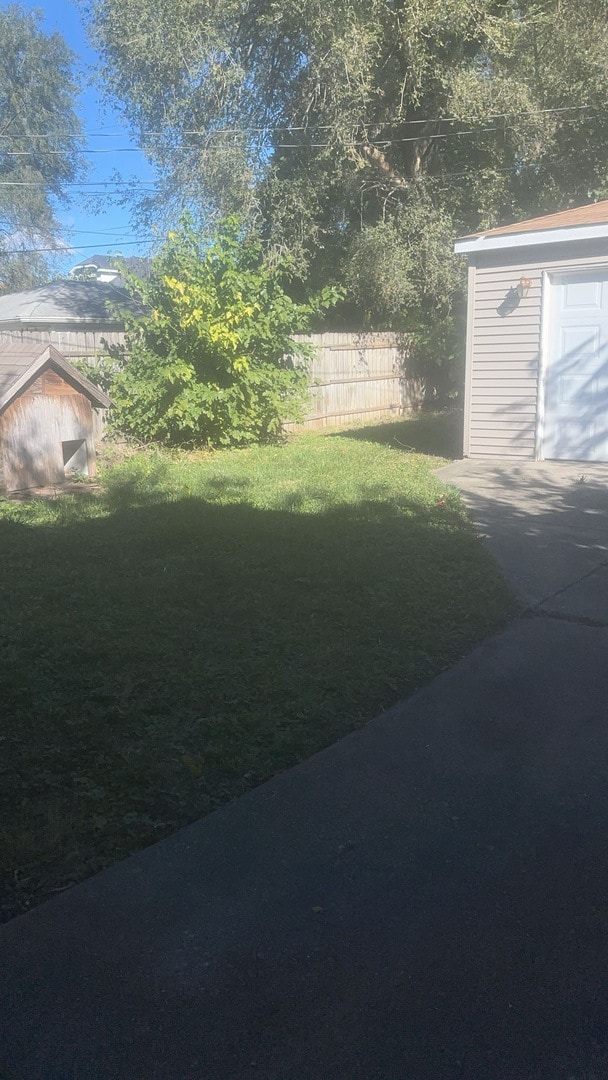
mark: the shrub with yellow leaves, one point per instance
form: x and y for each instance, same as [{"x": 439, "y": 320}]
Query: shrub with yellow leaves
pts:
[{"x": 213, "y": 360}]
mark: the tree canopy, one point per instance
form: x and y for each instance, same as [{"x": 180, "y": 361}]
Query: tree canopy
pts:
[
  {"x": 365, "y": 134},
  {"x": 40, "y": 136}
]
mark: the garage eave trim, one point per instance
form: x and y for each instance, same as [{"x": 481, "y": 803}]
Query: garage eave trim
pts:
[{"x": 468, "y": 245}]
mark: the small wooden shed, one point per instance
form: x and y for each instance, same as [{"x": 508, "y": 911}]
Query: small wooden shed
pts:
[
  {"x": 537, "y": 338},
  {"x": 46, "y": 418}
]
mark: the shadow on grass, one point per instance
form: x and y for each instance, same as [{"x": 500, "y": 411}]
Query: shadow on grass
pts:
[
  {"x": 166, "y": 658},
  {"x": 439, "y": 434}
]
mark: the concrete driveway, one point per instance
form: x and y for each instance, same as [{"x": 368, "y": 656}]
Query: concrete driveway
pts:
[
  {"x": 547, "y": 525},
  {"x": 425, "y": 900}
]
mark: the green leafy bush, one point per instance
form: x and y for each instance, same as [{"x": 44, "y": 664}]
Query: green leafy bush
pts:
[{"x": 212, "y": 360}]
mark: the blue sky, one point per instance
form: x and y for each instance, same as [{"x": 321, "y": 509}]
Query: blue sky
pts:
[{"x": 104, "y": 228}]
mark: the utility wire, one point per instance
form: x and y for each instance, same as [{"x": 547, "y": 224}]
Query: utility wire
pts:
[
  {"x": 115, "y": 184},
  {"x": 270, "y": 129},
  {"x": 113, "y": 187},
  {"x": 106, "y": 232},
  {"x": 434, "y": 178},
  {"x": 67, "y": 250},
  {"x": 437, "y": 178},
  {"x": 279, "y": 146}
]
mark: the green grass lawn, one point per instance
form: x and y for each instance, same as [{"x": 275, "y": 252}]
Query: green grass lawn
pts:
[{"x": 204, "y": 621}]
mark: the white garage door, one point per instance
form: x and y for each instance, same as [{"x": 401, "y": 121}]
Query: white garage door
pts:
[{"x": 576, "y": 380}]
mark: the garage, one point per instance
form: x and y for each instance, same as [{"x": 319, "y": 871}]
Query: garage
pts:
[{"x": 537, "y": 338}]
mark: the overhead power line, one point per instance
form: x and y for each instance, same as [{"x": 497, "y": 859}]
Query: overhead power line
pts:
[
  {"x": 280, "y": 146},
  {"x": 60, "y": 153},
  {"x": 435, "y": 178},
  {"x": 68, "y": 250},
  {"x": 115, "y": 184},
  {"x": 273, "y": 129},
  {"x": 382, "y": 142},
  {"x": 115, "y": 187},
  {"x": 105, "y": 232}
]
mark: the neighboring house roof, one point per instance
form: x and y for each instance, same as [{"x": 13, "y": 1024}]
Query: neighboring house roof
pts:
[
  {"x": 21, "y": 364},
  {"x": 112, "y": 264},
  {"x": 65, "y": 302},
  {"x": 100, "y": 262},
  {"x": 588, "y": 222}
]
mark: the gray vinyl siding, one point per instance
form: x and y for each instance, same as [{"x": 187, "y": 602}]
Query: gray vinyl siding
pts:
[{"x": 503, "y": 353}]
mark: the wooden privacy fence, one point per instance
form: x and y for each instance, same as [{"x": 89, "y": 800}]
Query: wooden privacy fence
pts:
[
  {"x": 78, "y": 342},
  {"x": 356, "y": 377},
  {"x": 352, "y": 376}
]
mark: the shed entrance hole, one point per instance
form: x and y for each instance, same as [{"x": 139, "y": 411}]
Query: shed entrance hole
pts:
[{"x": 75, "y": 458}]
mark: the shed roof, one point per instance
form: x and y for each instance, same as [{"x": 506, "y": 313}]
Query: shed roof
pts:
[
  {"x": 65, "y": 302},
  {"x": 21, "y": 363}
]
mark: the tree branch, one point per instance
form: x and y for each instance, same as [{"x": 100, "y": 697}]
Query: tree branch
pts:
[{"x": 377, "y": 158}]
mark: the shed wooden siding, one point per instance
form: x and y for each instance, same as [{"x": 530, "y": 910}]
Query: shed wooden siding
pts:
[
  {"x": 503, "y": 354},
  {"x": 69, "y": 341},
  {"x": 34, "y": 428},
  {"x": 356, "y": 377}
]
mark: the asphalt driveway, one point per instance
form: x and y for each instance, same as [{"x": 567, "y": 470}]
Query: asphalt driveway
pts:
[{"x": 425, "y": 900}]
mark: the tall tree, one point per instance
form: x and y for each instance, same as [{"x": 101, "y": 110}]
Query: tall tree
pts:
[
  {"x": 358, "y": 92},
  {"x": 40, "y": 137},
  {"x": 366, "y": 133}
]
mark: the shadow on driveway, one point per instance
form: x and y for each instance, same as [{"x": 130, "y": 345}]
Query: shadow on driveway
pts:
[{"x": 547, "y": 525}]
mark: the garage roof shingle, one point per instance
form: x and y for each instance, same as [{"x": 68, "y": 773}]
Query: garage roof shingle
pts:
[{"x": 591, "y": 214}]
